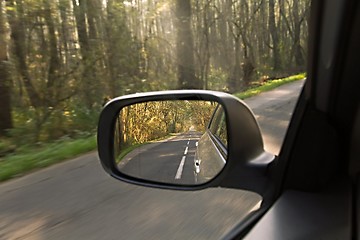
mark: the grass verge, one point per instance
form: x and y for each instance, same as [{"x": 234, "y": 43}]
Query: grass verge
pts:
[
  {"x": 127, "y": 150},
  {"x": 18, "y": 163},
  {"x": 269, "y": 85}
]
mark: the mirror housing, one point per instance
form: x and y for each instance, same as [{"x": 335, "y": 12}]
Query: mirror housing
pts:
[{"x": 246, "y": 163}]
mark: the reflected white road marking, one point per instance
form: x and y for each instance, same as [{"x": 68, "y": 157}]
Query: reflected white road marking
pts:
[
  {"x": 180, "y": 169},
  {"x": 186, "y": 150}
]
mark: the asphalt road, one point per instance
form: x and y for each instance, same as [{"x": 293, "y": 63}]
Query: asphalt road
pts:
[
  {"x": 273, "y": 111},
  {"x": 170, "y": 160},
  {"x": 77, "y": 200}
]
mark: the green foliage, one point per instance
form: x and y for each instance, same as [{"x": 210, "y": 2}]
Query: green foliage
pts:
[
  {"x": 126, "y": 150},
  {"x": 42, "y": 126},
  {"x": 83, "y": 121},
  {"x": 24, "y": 126},
  {"x": 217, "y": 80},
  {"x": 6, "y": 146}
]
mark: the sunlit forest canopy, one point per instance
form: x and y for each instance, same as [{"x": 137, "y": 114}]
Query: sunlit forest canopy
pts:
[
  {"x": 155, "y": 121},
  {"x": 152, "y": 121},
  {"x": 61, "y": 60}
]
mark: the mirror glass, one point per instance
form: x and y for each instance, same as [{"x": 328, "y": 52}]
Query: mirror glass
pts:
[{"x": 179, "y": 142}]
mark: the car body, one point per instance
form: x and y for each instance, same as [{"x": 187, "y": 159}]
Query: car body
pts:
[{"x": 211, "y": 150}]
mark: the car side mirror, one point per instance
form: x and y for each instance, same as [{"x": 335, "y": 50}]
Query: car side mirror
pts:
[{"x": 185, "y": 139}]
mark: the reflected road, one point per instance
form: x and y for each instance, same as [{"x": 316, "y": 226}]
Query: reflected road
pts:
[{"x": 170, "y": 160}]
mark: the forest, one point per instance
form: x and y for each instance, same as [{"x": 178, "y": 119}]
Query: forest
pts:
[
  {"x": 150, "y": 121},
  {"x": 62, "y": 60}
]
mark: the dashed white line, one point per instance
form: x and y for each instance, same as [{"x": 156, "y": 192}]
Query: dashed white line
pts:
[
  {"x": 186, "y": 150},
  {"x": 188, "y": 142},
  {"x": 180, "y": 168}
]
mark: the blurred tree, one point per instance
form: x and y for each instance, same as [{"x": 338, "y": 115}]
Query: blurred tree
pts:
[
  {"x": 5, "y": 81},
  {"x": 17, "y": 22},
  {"x": 274, "y": 36},
  {"x": 185, "y": 47}
]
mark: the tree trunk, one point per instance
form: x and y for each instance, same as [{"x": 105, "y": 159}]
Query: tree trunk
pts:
[
  {"x": 5, "y": 92},
  {"x": 65, "y": 32},
  {"x": 185, "y": 48},
  {"x": 297, "y": 50},
  {"x": 19, "y": 39},
  {"x": 54, "y": 62},
  {"x": 93, "y": 7},
  {"x": 234, "y": 78},
  {"x": 274, "y": 35},
  {"x": 87, "y": 82}
]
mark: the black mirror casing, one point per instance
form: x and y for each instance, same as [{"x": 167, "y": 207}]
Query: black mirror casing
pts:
[{"x": 246, "y": 163}]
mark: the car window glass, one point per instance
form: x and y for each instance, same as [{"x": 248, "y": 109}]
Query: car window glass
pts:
[
  {"x": 215, "y": 119},
  {"x": 218, "y": 126},
  {"x": 221, "y": 132}
]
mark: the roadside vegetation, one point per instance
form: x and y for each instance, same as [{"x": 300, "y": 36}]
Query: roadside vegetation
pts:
[{"x": 268, "y": 85}]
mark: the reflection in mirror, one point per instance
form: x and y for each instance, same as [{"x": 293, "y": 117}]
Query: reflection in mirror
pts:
[{"x": 179, "y": 142}]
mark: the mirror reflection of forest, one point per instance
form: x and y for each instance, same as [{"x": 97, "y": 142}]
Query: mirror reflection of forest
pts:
[{"x": 142, "y": 123}]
